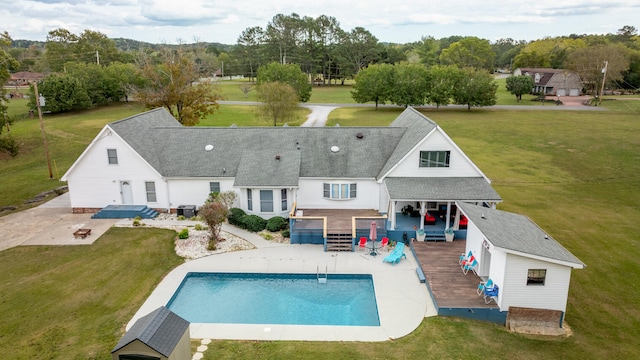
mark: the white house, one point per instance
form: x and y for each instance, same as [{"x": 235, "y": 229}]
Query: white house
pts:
[
  {"x": 531, "y": 269},
  {"x": 151, "y": 159}
]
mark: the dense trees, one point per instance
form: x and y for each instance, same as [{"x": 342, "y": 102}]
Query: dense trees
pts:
[
  {"x": 289, "y": 74},
  {"x": 469, "y": 52},
  {"x": 7, "y": 143},
  {"x": 173, "y": 84},
  {"x": 475, "y": 88},
  {"x": 374, "y": 83}
]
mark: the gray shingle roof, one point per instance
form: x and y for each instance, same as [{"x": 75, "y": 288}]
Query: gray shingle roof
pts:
[
  {"x": 441, "y": 188},
  {"x": 161, "y": 330},
  {"x": 517, "y": 233},
  {"x": 268, "y": 168}
]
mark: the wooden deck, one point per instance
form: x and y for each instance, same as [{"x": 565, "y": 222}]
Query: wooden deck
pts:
[
  {"x": 339, "y": 220},
  {"x": 449, "y": 286}
]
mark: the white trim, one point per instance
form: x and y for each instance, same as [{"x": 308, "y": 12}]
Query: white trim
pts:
[{"x": 540, "y": 258}]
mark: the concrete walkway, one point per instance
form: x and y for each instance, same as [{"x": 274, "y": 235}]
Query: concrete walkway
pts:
[{"x": 319, "y": 114}]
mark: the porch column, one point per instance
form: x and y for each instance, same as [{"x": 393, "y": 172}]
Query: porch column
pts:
[
  {"x": 392, "y": 216},
  {"x": 456, "y": 219},
  {"x": 423, "y": 211},
  {"x": 448, "y": 216}
]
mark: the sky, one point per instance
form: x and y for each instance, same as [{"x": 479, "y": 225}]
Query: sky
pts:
[{"x": 188, "y": 21}]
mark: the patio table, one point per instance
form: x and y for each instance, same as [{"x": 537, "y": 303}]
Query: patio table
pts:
[{"x": 373, "y": 248}]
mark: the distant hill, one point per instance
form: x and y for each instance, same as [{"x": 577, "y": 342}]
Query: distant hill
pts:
[{"x": 123, "y": 44}]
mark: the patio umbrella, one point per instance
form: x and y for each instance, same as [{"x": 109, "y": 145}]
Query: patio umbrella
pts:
[{"x": 373, "y": 232}]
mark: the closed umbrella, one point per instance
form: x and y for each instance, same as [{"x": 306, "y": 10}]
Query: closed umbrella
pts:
[{"x": 373, "y": 232}]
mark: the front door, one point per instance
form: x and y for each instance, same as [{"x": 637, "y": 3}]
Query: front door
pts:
[
  {"x": 126, "y": 192},
  {"x": 485, "y": 265}
]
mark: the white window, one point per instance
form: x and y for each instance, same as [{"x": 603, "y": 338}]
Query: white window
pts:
[
  {"x": 112, "y": 155},
  {"x": 150, "y": 187},
  {"x": 536, "y": 276},
  {"x": 283, "y": 198},
  {"x": 266, "y": 201},
  {"x": 339, "y": 191},
  {"x": 214, "y": 187},
  {"x": 434, "y": 158},
  {"x": 249, "y": 200}
]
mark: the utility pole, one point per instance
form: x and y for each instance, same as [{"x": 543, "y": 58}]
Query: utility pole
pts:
[
  {"x": 604, "y": 75},
  {"x": 97, "y": 57},
  {"x": 44, "y": 136}
]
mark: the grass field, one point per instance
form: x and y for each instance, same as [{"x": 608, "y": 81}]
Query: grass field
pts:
[{"x": 576, "y": 174}]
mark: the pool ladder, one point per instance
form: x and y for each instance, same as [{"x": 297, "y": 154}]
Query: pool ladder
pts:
[{"x": 322, "y": 279}]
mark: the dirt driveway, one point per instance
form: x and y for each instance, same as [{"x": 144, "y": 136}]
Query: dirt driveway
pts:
[{"x": 51, "y": 223}]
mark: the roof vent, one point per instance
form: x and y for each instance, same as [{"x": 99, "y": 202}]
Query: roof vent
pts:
[
  {"x": 277, "y": 157},
  {"x": 335, "y": 149},
  {"x": 482, "y": 216},
  {"x": 208, "y": 147},
  {"x": 360, "y": 135}
]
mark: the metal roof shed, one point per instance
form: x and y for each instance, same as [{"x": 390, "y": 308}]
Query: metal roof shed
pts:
[{"x": 160, "y": 335}]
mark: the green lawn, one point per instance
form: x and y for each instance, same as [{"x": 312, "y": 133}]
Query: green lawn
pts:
[
  {"x": 575, "y": 174},
  {"x": 72, "y": 302}
]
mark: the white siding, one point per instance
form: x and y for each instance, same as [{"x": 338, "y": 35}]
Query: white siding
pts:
[
  {"x": 459, "y": 164},
  {"x": 277, "y": 202},
  {"x": 515, "y": 291},
  {"x": 94, "y": 183},
  {"x": 194, "y": 191},
  {"x": 311, "y": 195}
]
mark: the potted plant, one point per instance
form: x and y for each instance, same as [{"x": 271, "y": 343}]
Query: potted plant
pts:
[
  {"x": 449, "y": 234},
  {"x": 420, "y": 234},
  {"x": 407, "y": 210}
]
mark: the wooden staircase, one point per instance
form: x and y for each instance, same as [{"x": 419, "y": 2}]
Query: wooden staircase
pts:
[{"x": 339, "y": 242}]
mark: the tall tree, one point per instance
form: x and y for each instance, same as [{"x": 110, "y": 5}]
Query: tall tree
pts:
[
  {"x": 279, "y": 101},
  {"x": 248, "y": 49},
  {"x": 441, "y": 84},
  {"x": 62, "y": 92},
  {"x": 374, "y": 83},
  {"x": 63, "y": 46},
  {"x": 356, "y": 50},
  {"x": 469, "y": 52},
  {"x": 409, "y": 84},
  {"x": 589, "y": 63},
  {"x": 428, "y": 49},
  {"x": 283, "y": 34},
  {"x": 172, "y": 84},
  {"x": 475, "y": 88},
  {"x": 519, "y": 85},
  {"x": 7, "y": 143},
  {"x": 289, "y": 74}
]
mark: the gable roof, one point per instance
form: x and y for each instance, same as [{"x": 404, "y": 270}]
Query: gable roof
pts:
[
  {"x": 260, "y": 168},
  {"x": 546, "y": 74},
  {"x": 161, "y": 330},
  {"x": 517, "y": 234}
]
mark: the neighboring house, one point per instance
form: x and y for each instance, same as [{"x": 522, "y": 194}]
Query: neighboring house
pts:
[
  {"x": 557, "y": 82},
  {"x": 23, "y": 78},
  {"x": 531, "y": 269},
  {"x": 151, "y": 159}
]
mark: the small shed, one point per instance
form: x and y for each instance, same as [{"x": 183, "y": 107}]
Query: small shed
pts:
[{"x": 160, "y": 335}]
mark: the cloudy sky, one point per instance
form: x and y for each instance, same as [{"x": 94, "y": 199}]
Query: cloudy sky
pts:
[{"x": 186, "y": 21}]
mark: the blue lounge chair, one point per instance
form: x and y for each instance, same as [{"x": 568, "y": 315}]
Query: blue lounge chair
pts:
[
  {"x": 491, "y": 294},
  {"x": 396, "y": 254}
]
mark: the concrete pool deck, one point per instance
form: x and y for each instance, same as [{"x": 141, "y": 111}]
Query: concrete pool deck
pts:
[{"x": 402, "y": 300}]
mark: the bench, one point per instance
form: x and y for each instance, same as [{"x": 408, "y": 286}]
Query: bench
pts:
[
  {"x": 82, "y": 233},
  {"x": 421, "y": 276}
]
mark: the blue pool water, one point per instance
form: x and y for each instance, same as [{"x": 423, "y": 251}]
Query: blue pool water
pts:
[{"x": 298, "y": 299}]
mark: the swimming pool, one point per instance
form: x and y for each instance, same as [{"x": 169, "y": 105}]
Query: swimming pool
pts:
[{"x": 257, "y": 298}]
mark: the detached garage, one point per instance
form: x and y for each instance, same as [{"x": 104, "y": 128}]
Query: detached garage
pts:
[{"x": 161, "y": 335}]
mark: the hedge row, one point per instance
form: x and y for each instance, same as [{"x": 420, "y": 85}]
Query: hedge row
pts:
[{"x": 255, "y": 223}]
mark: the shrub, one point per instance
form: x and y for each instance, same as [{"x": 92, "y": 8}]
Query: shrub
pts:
[
  {"x": 253, "y": 223},
  {"x": 267, "y": 236},
  {"x": 184, "y": 234},
  {"x": 276, "y": 223},
  {"x": 181, "y": 217},
  {"x": 136, "y": 221},
  {"x": 286, "y": 233},
  {"x": 199, "y": 227},
  {"x": 235, "y": 216}
]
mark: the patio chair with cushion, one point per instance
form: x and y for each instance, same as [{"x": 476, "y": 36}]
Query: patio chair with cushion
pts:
[
  {"x": 384, "y": 242},
  {"x": 464, "y": 257},
  {"x": 484, "y": 286},
  {"x": 491, "y": 294}
]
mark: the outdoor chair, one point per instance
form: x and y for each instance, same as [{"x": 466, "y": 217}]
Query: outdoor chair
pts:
[
  {"x": 484, "y": 286},
  {"x": 384, "y": 242},
  {"x": 396, "y": 255},
  {"x": 363, "y": 242},
  {"x": 464, "y": 257},
  {"x": 469, "y": 266},
  {"x": 470, "y": 260},
  {"x": 491, "y": 294}
]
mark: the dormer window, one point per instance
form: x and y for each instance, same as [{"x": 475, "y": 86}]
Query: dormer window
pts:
[
  {"x": 431, "y": 159},
  {"x": 537, "y": 78}
]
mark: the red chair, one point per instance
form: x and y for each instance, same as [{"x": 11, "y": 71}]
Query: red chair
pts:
[
  {"x": 429, "y": 219},
  {"x": 463, "y": 222},
  {"x": 363, "y": 242},
  {"x": 385, "y": 242}
]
